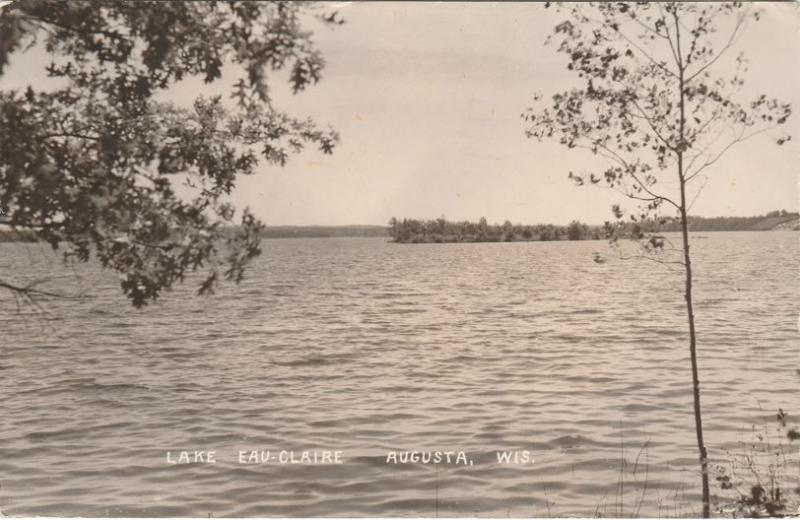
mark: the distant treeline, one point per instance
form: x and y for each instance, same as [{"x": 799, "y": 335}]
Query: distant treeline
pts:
[
  {"x": 9, "y": 235},
  {"x": 442, "y": 230},
  {"x": 414, "y": 231},
  {"x": 772, "y": 220},
  {"x": 323, "y": 231}
]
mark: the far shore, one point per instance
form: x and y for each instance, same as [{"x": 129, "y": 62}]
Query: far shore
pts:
[{"x": 443, "y": 231}]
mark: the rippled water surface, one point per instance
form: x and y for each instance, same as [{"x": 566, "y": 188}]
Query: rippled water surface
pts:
[{"x": 367, "y": 347}]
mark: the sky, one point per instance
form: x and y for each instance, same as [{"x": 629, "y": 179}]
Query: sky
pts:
[{"x": 427, "y": 98}]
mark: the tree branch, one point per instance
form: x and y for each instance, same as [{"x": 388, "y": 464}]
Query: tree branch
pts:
[
  {"x": 669, "y": 39},
  {"x": 646, "y": 55},
  {"x": 30, "y": 290},
  {"x": 69, "y": 134},
  {"x": 739, "y": 24},
  {"x": 655, "y": 196},
  {"x": 647, "y": 118},
  {"x": 652, "y": 259},
  {"x": 722, "y": 152}
]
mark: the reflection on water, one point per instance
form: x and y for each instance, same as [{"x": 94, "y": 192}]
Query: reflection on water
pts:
[{"x": 367, "y": 347}]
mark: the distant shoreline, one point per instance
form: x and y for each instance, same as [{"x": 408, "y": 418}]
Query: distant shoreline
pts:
[
  {"x": 492, "y": 232},
  {"x": 411, "y": 231}
]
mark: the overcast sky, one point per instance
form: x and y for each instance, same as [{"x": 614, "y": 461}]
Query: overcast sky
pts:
[{"x": 427, "y": 98}]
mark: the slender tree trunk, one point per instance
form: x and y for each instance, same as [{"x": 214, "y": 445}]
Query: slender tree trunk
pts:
[
  {"x": 698, "y": 421},
  {"x": 698, "y": 418}
]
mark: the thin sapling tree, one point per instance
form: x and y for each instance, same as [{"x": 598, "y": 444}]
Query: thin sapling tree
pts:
[{"x": 660, "y": 100}]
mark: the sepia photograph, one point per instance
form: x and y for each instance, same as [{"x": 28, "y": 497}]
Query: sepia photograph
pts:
[{"x": 399, "y": 259}]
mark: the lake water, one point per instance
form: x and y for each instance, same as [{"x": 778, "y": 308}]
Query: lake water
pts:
[{"x": 367, "y": 347}]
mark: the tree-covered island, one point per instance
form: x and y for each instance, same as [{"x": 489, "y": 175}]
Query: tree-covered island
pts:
[{"x": 412, "y": 231}]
